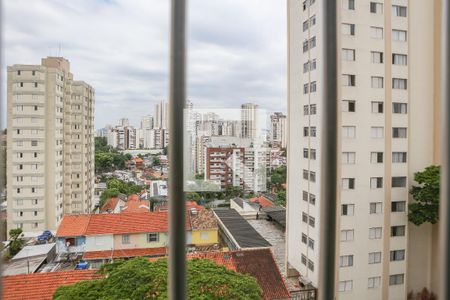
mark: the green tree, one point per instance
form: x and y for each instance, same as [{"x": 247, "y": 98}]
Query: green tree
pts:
[
  {"x": 281, "y": 198},
  {"x": 139, "y": 278},
  {"x": 426, "y": 196},
  {"x": 156, "y": 161},
  {"x": 17, "y": 242}
]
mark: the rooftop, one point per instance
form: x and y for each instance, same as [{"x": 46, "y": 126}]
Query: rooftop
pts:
[
  {"x": 263, "y": 201},
  {"x": 258, "y": 263},
  {"x": 109, "y": 205},
  {"x": 133, "y": 222},
  {"x": 34, "y": 250},
  {"x": 238, "y": 230},
  {"x": 41, "y": 286},
  {"x": 203, "y": 219}
]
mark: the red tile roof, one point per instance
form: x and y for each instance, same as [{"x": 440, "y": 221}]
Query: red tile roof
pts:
[
  {"x": 134, "y": 204},
  {"x": 73, "y": 225},
  {"x": 122, "y": 253},
  {"x": 41, "y": 286},
  {"x": 133, "y": 222},
  {"x": 258, "y": 263},
  {"x": 263, "y": 201},
  {"x": 110, "y": 204}
]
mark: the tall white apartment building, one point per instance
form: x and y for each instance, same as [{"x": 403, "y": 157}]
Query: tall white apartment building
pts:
[
  {"x": 249, "y": 121},
  {"x": 162, "y": 115},
  {"x": 278, "y": 134},
  {"x": 50, "y": 144},
  {"x": 388, "y": 65}
]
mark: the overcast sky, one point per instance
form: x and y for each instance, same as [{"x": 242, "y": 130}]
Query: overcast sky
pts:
[{"x": 236, "y": 50}]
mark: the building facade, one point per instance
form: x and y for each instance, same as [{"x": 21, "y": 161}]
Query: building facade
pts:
[
  {"x": 388, "y": 70},
  {"x": 50, "y": 164},
  {"x": 278, "y": 134}
]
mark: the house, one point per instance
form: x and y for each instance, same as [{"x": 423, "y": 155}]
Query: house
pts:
[
  {"x": 204, "y": 226},
  {"x": 245, "y": 208},
  {"x": 139, "y": 162},
  {"x": 30, "y": 259},
  {"x": 263, "y": 201},
  {"x": 132, "y": 204},
  {"x": 102, "y": 237}
]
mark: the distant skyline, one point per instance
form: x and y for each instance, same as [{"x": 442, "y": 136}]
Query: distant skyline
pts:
[{"x": 236, "y": 51}]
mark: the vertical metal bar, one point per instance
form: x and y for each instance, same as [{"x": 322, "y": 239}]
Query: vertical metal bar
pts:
[
  {"x": 328, "y": 167},
  {"x": 177, "y": 206},
  {"x": 444, "y": 217}
]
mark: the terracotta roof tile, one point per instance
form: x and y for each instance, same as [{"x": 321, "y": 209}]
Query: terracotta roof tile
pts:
[
  {"x": 73, "y": 225},
  {"x": 133, "y": 222},
  {"x": 110, "y": 204},
  {"x": 134, "y": 204},
  {"x": 41, "y": 286},
  {"x": 122, "y": 253},
  {"x": 203, "y": 219},
  {"x": 263, "y": 201},
  {"x": 258, "y": 263}
]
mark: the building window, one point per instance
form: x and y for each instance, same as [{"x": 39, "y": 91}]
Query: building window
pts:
[
  {"x": 348, "y": 157},
  {"x": 376, "y": 157},
  {"x": 398, "y": 11},
  {"x": 396, "y": 279},
  {"x": 304, "y": 259},
  {"x": 398, "y": 230},
  {"x": 21, "y": 84},
  {"x": 377, "y": 82},
  {"x": 375, "y": 208},
  {"x": 304, "y": 239},
  {"x": 376, "y": 8},
  {"x": 346, "y": 261},
  {"x": 348, "y": 29},
  {"x": 376, "y": 32},
  {"x": 305, "y": 174},
  {"x": 347, "y": 209},
  {"x": 398, "y": 206},
  {"x": 305, "y": 131},
  {"x": 376, "y": 182},
  {"x": 125, "y": 238},
  {"x": 349, "y": 106},
  {"x": 305, "y": 155},
  {"x": 345, "y": 285},
  {"x": 306, "y": 88},
  {"x": 377, "y": 57},
  {"x": 312, "y": 221},
  {"x": 312, "y": 199},
  {"x": 313, "y": 131},
  {"x": 18, "y": 72},
  {"x": 312, "y": 154},
  {"x": 311, "y": 243},
  {"x": 35, "y": 84},
  {"x": 399, "y": 108},
  {"x": 305, "y": 196},
  {"x": 348, "y": 80},
  {"x": 399, "y": 157},
  {"x": 348, "y": 183},
  {"x": 397, "y": 255},
  {"x": 374, "y": 282},
  {"x": 348, "y": 4},
  {"x": 310, "y": 265},
  {"x": 348, "y": 54},
  {"x": 374, "y": 257},
  {"x": 375, "y": 233},
  {"x": 398, "y": 35},
  {"x": 34, "y": 143},
  {"x": 347, "y": 235},
  {"x": 305, "y": 110},
  {"x": 305, "y": 218},
  {"x": 313, "y": 109},
  {"x": 399, "y": 181},
  {"x": 349, "y": 132},
  {"x": 35, "y": 213},
  {"x": 152, "y": 237},
  {"x": 313, "y": 87},
  {"x": 399, "y": 84},
  {"x": 377, "y": 132},
  {"x": 377, "y": 107},
  {"x": 399, "y": 132},
  {"x": 399, "y": 59}
]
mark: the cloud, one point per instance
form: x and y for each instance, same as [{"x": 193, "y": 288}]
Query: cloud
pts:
[{"x": 236, "y": 50}]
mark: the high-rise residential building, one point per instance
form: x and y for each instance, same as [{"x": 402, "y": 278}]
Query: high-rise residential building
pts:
[
  {"x": 162, "y": 115},
  {"x": 50, "y": 144},
  {"x": 124, "y": 122},
  {"x": 147, "y": 122},
  {"x": 278, "y": 134},
  {"x": 388, "y": 65},
  {"x": 249, "y": 120}
]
